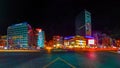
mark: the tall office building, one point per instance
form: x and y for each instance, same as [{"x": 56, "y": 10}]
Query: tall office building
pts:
[
  {"x": 83, "y": 24},
  {"x": 20, "y": 35},
  {"x": 39, "y": 38}
]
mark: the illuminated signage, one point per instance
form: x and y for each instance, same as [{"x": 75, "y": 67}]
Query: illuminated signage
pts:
[{"x": 91, "y": 41}]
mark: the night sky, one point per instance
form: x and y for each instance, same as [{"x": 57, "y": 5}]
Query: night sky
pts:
[{"x": 57, "y": 17}]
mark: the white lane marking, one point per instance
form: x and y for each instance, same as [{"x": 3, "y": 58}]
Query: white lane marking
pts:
[{"x": 58, "y": 58}]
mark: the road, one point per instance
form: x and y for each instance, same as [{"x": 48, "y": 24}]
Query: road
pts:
[{"x": 61, "y": 60}]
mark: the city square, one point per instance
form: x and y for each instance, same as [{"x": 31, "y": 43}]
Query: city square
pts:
[{"x": 59, "y": 34}]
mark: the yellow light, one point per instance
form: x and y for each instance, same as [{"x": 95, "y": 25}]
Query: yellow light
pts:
[
  {"x": 70, "y": 46},
  {"x": 48, "y": 48},
  {"x": 77, "y": 46},
  {"x": 58, "y": 45},
  {"x": 82, "y": 46}
]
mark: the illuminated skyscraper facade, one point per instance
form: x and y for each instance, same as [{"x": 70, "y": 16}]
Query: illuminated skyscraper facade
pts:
[
  {"x": 40, "y": 38},
  {"x": 18, "y": 35},
  {"x": 83, "y": 24}
]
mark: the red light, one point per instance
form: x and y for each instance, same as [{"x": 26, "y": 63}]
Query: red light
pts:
[
  {"x": 92, "y": 55},
  {"x": 38, "y": 29}
]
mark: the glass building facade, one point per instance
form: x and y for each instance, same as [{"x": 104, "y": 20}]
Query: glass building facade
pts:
[
  {"x": 40, "y": 38},
  {"x": 18, "y": 35},
  {"x": 83, "y": 24}
]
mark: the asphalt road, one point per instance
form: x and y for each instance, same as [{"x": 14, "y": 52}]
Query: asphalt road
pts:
[{"x": 60, "y": 60}]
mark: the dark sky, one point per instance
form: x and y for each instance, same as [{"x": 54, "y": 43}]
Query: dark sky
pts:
[{"x": 57, "y": 17}]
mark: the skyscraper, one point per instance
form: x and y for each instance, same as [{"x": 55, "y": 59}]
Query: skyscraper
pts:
[
  {"x": 40, "y": 38},
  {"x": 83, "y": 24},
  {"x": 18, "y": 35}
]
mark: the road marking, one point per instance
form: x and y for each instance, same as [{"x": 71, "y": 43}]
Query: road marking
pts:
[
  {"x": 51, "y": 62},
  {"x": 67, "y": 63},
  {"x": 58, "y": 58}
]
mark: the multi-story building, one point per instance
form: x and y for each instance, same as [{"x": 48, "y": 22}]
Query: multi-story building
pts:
[
  {"x": 83, "y": 24},
  {"x": 3, "y": 41},
  {"x": 20, "y": 35},
  {"x": 39, "y": 38},
  {"x": 57, "y": 41},
  {"x": 75, "y": 41}
]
